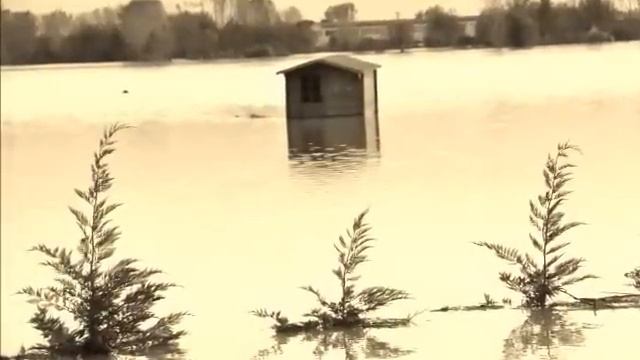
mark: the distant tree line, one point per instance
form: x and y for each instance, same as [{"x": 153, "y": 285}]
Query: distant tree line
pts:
[
  {"x": 442, "y": 27},
  {"x": 524, "y": 23},
  {"x": 143, "y": 31},
  {"x": 510, "y": 23}
]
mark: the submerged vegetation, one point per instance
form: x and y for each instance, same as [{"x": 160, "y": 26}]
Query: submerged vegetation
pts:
[
  {"x": 111, "y": 306},
  {"x": 488, "y": 300},
  {"x": 620, "y": 301},
  {"x": 351, "y": 308},
  {"x": 539, "y": 282},
  {"x": 635, "y": 277},
  {"x": 488, "y": 303}
]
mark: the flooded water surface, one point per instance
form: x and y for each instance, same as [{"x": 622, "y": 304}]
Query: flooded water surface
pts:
[{"x": 212, "y": 198}]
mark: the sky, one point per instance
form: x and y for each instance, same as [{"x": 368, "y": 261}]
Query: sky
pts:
[{"x": 312, "y": 9}]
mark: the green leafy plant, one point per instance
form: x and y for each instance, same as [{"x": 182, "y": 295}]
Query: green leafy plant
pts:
[
  {"x": 635, "y": 277},
  {"x": 539, "y": 282},
  {"x": 352, "y": 304},
  {"x": 111, "y": 305}
]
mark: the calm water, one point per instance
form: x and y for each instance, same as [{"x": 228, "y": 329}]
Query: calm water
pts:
[{"x": 212, "y": 198}]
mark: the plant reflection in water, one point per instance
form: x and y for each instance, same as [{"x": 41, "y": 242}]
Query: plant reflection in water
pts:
[
  {"x": 356, "y": 343},
  {"x": 542, "y": 334}
]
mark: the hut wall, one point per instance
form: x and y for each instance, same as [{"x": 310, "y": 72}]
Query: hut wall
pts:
[
  {"x": 335, "y": 132},
  {"x": 342, "y": 93},
  {"x": 370, "y": 111}
]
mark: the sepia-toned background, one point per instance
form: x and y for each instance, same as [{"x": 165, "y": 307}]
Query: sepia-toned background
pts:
[{"x": 211, "y": 197}]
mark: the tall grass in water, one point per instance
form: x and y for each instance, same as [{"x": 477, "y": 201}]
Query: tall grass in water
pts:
[
  {"x": 539, "y": 281},
  {"x": 110, "y": 305}
]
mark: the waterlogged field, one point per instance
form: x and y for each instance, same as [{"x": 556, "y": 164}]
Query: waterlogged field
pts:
[{"x": 211, "y": 197}]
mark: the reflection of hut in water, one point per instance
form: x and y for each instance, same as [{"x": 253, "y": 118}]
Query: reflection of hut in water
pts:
[
  {"x": 332, "y": 105},
  {"x": 320, "y": 168}
]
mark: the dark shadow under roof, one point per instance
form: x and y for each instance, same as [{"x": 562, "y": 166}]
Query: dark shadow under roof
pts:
[{"x": 339, "y": 61}]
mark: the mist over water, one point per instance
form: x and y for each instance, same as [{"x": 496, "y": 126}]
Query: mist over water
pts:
[{"x": 212, "y": 198}]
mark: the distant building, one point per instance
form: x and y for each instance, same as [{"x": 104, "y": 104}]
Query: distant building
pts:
[
  {"x": 332, "y": 102},
  {"x": 469, "y": 24},
  {"x": 382, "y": 30}
]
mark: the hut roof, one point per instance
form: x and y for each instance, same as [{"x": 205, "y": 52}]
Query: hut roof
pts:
[{"x": 340, "y": 61}]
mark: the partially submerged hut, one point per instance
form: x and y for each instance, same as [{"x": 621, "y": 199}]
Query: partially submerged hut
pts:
[{"x": 332, "y": 103}]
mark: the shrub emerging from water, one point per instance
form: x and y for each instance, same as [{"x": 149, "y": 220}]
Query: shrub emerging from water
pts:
[
  {"x": 352, "y": 304},
  {"x": 111, "y": 305},
  {"x": 541, "y": 282},
  {"x": 350, "y": 309},
  {"x": 635, "y": 277},
  {"x": 488, "y": 301}
]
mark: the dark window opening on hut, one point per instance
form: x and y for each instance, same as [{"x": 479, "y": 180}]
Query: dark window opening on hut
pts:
[{"x": 311, "y": 89}]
